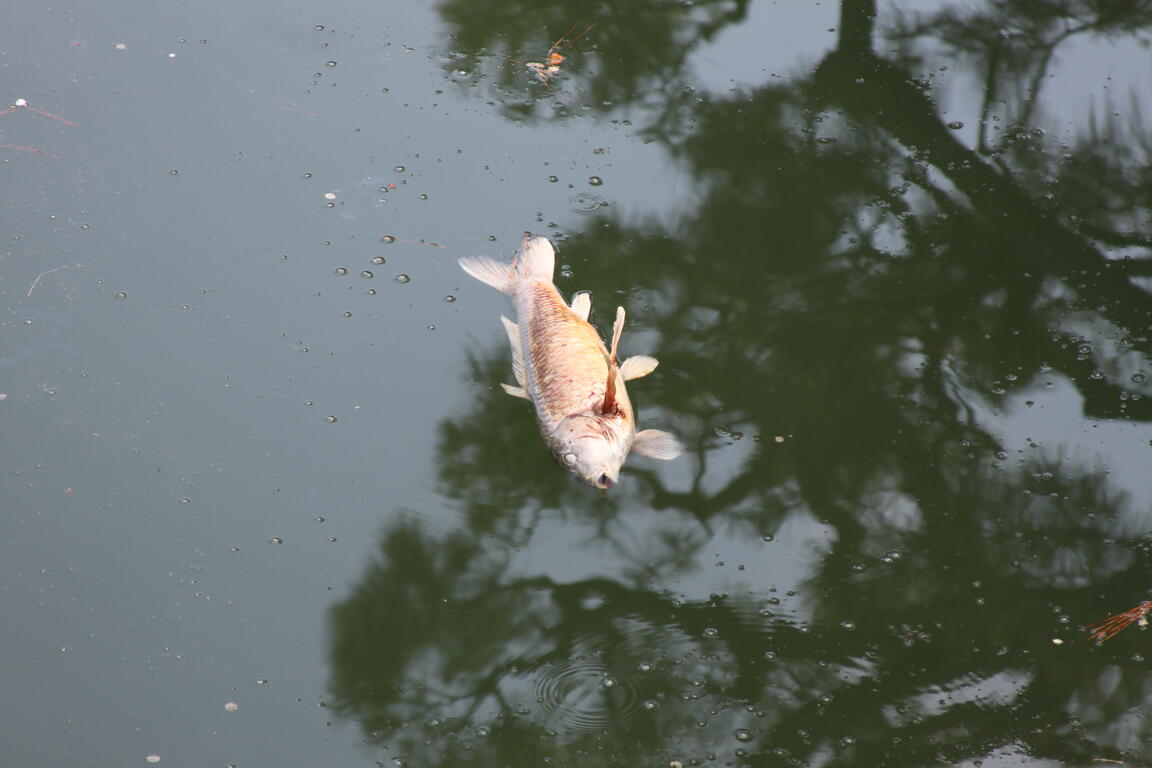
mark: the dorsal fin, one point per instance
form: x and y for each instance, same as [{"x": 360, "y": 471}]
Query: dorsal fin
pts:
[{"x": 610, "y": 407}]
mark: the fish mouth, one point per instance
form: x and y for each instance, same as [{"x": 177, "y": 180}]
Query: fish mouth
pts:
[{"x": 604, "y": 482}]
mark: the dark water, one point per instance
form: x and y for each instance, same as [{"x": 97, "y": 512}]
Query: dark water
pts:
[{"x": 265, "y": 504}]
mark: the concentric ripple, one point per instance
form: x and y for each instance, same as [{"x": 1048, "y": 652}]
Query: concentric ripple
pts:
[
  {"x": 581, "y": 694},
  {"x": 586, "y": 202}
]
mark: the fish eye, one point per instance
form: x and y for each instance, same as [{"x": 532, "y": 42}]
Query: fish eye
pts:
[{"x": 569, "y": 459}]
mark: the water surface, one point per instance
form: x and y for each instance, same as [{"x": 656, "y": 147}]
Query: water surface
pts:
[{"x": 265, "y": 503}]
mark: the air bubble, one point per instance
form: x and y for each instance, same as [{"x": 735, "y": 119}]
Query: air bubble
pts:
[
  {"x": 595, "y": 181},
  {"x": 388, "y": 239},
  {"x": 955, "y": 125},
  {"x": 366, "y": 274},
  {"x": 341, "y": 271},
  {"x": 402, "y": 278}
]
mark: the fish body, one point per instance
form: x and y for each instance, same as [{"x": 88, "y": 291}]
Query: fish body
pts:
[{"x": 560, "y": 364}]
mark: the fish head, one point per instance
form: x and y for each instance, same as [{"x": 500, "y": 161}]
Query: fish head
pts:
[{"x": 593, "y": 449}]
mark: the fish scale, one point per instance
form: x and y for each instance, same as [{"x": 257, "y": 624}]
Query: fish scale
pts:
[{"x": 569, "y": 362}]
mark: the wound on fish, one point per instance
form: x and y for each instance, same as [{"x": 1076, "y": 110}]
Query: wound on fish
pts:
[{"x": 610, "y": 407}]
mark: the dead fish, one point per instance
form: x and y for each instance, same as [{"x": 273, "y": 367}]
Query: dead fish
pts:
[{"x": 562, "y": 366}]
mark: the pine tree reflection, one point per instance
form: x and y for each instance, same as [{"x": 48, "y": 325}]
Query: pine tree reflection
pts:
[{"x": 860, "y": 283}]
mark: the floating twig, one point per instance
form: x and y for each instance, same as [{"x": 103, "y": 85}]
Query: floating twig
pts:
[
  {"x": 393, "y": 239},
  {"x": 37, "y": 280},
  {"x": 293, "y": 107},
  {"x": 35, "y": 150},
  {"x": 1112, "y": 625},
  {"x": 23, "y": 104}
]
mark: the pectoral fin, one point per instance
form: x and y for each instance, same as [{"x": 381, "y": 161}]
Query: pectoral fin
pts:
[
  {"x": 582, "y": 305},
  {"x": 637, "y": 366},
  {"x": 515, "y": 391},
  {"x": 657, "y": 444},
  {"x": 513, "y": 332}
]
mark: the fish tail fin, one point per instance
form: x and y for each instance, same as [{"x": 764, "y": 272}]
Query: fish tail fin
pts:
[
  {"x": 535, "y": 259},
  {"x": 487, "y": 270}
]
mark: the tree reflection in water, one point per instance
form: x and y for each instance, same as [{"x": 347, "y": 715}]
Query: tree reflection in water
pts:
[{"x": 858, "y": 281}]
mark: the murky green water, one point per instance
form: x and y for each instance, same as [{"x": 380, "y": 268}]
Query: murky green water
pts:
[{"x": 264, "y": 502}]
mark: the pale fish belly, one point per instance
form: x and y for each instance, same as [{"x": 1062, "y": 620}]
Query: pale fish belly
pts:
[{"x": 565, "y": 360}]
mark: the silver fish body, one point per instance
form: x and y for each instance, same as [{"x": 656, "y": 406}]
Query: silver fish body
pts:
[{"x": 562, "y": 366}]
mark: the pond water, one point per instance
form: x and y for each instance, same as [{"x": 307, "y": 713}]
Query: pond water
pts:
[{"x": 265, "y": 503}]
